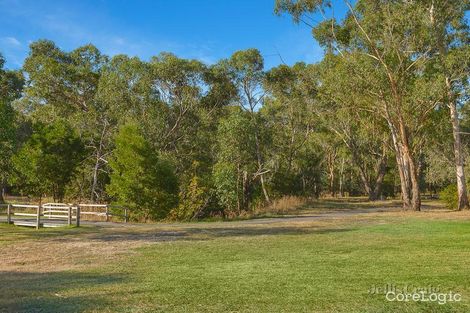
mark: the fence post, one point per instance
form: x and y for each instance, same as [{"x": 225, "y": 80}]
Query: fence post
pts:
[
  {"x": 126, "y": 218},
  {"x": 38, "y": 217},
  {"x": 78, "y": 215},
  {"x": 69, "y": 217},
  {"x": 9, "y": 213},
  {"x": 107, "y": 213}
]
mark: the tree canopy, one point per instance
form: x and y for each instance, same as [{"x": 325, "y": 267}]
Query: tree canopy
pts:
[{"x": 383, "y": 114}]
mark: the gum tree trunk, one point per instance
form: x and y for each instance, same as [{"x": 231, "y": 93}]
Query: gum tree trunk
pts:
[
  {"x": 403, "y": 168},
  {"x": 413, "y": 171},
  {"x": 440, "y": 33},
  {"x": 458, "y": 157},
  {"x": 382, "y": 168}
]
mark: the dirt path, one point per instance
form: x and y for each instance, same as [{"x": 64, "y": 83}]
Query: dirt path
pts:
[{"x": 307, "y": 215}]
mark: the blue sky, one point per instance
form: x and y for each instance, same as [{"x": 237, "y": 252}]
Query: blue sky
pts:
[{"x": 203, "y": 29}]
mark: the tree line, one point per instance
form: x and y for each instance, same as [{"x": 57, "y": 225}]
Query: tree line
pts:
[{"x": 382, "y": 115}]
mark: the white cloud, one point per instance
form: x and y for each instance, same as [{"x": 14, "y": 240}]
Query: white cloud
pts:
[{"x": 11, "y": 41}]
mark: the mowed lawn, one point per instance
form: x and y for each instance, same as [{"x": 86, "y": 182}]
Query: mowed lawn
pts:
[{"x": 327, "y": 265}]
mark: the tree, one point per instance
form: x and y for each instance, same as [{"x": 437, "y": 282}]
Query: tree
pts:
[
  {"x": 64, "y": 85},
  {"x": 48, "y": 161},
  {"x": 141, "y": 179},
  {"x": 246, "y": 70},
  {"x": 450, "y": 46},
  {"x": 194, "y": 199},
  {"x": 294, "y": 154},
  {"x": 363, "y": 134},
  {"x": 11, "y": 84},
  {"x": 7, "y": 142},
  {"x": 385, "y": 46},
  {"x": 236, "y": 169}
]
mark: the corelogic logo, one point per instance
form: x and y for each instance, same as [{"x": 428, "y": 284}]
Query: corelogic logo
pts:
[{"x": 408, "y": 293}]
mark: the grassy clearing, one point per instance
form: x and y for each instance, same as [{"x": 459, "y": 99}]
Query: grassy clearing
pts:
[{"x": 324, "y": 265}]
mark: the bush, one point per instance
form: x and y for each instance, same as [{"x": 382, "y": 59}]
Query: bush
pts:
[
  {"x": 226, "y": 184},
  {"x": 450, "y": 196},
  {"x": 48, "y": 161},
  {"x": 141, "y": 179},
  {"x": 192, "y": 201}
]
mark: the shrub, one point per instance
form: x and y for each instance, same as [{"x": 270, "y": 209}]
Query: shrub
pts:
[
  {"x": 48, "y": 161},
  {"x": 450, "y": 196},
  {"x": 225, "y": 178},
  {"x": 141, "y": 179},
  {"x": 192, "y": 201}
]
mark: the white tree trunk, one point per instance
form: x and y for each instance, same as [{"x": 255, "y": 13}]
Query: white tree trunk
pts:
[{"x": 459, "y": 161}]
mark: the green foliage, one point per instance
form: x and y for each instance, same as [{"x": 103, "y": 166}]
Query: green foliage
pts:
[
  {"x": 11, "y": 84},
  {"x": 450, "y": 197},
  {"x": 140, "y": 178},
  {"x": 254, "y": 134},
  {"x": 193, "y": 199},
  {"x": 236, "y": 161},
  {"x": 293, "y": 151},
  {"x": 227, "y": 185},
  {"x": 7, "y": 139},
  {"x": 297, "y": 8},
  {"x": 48, "y": 160}
]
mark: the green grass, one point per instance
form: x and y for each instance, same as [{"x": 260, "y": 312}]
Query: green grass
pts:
[
  {"x": 327, "y": 271},
  {"x": 259, "y": 269}
]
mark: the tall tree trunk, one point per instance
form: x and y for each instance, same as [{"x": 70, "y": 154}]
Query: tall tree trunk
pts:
[
  {"x": 341, "y": 178},
  {"x": 265, "y": 192},
  {"x": 413, "y": 171},
  {"x": 416, "y": 193},
  {"x": 403, "y": 171},
  {"x": 98, "y": 161},
  {"x": 372, "y": 192},
  {"x": 94, "y": 182},
  {"x": 463, "y": 202},
  {"x": 459, "y": 161},
  {"x": 260, "y": 166},
  {"x": 365, "y": 182},
  {"x": 381, "y": 170},
  {"x": 402, "y": 165},
  {"x": 331, "y": 158},
  {"x": 332, "y": 180}
]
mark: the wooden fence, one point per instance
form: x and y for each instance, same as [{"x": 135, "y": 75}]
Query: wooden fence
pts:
[{"x": 59, "y": 214}]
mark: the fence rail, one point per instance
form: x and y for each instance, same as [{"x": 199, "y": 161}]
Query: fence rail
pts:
[{"x": 41, "y": 215}]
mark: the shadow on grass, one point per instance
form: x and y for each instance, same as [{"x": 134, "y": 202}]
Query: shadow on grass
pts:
[
  {"x": 50, "y": 292},
  {"x": 210, "y": 233}
]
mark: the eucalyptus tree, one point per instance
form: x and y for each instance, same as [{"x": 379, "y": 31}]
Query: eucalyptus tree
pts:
[
  {"x": 11, "y": 83},
  {"x": 384, "y": 45},
  {"x": 246, "y": 70},
  {"x": 7, "y": 142},
  {"x": 63, "y": 85},
  {"x": 178, "y": 83},
  {"x": 362, "y": 133},
  {"x": 450, "y": 48},
  {"x": 295, "y": 153},
  {"x": 124, "y": 92},
  {"x": 236, "y": 167}
]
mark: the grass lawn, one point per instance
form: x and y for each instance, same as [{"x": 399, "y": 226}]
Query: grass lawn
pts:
[{"x": 325, "y": 265}]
